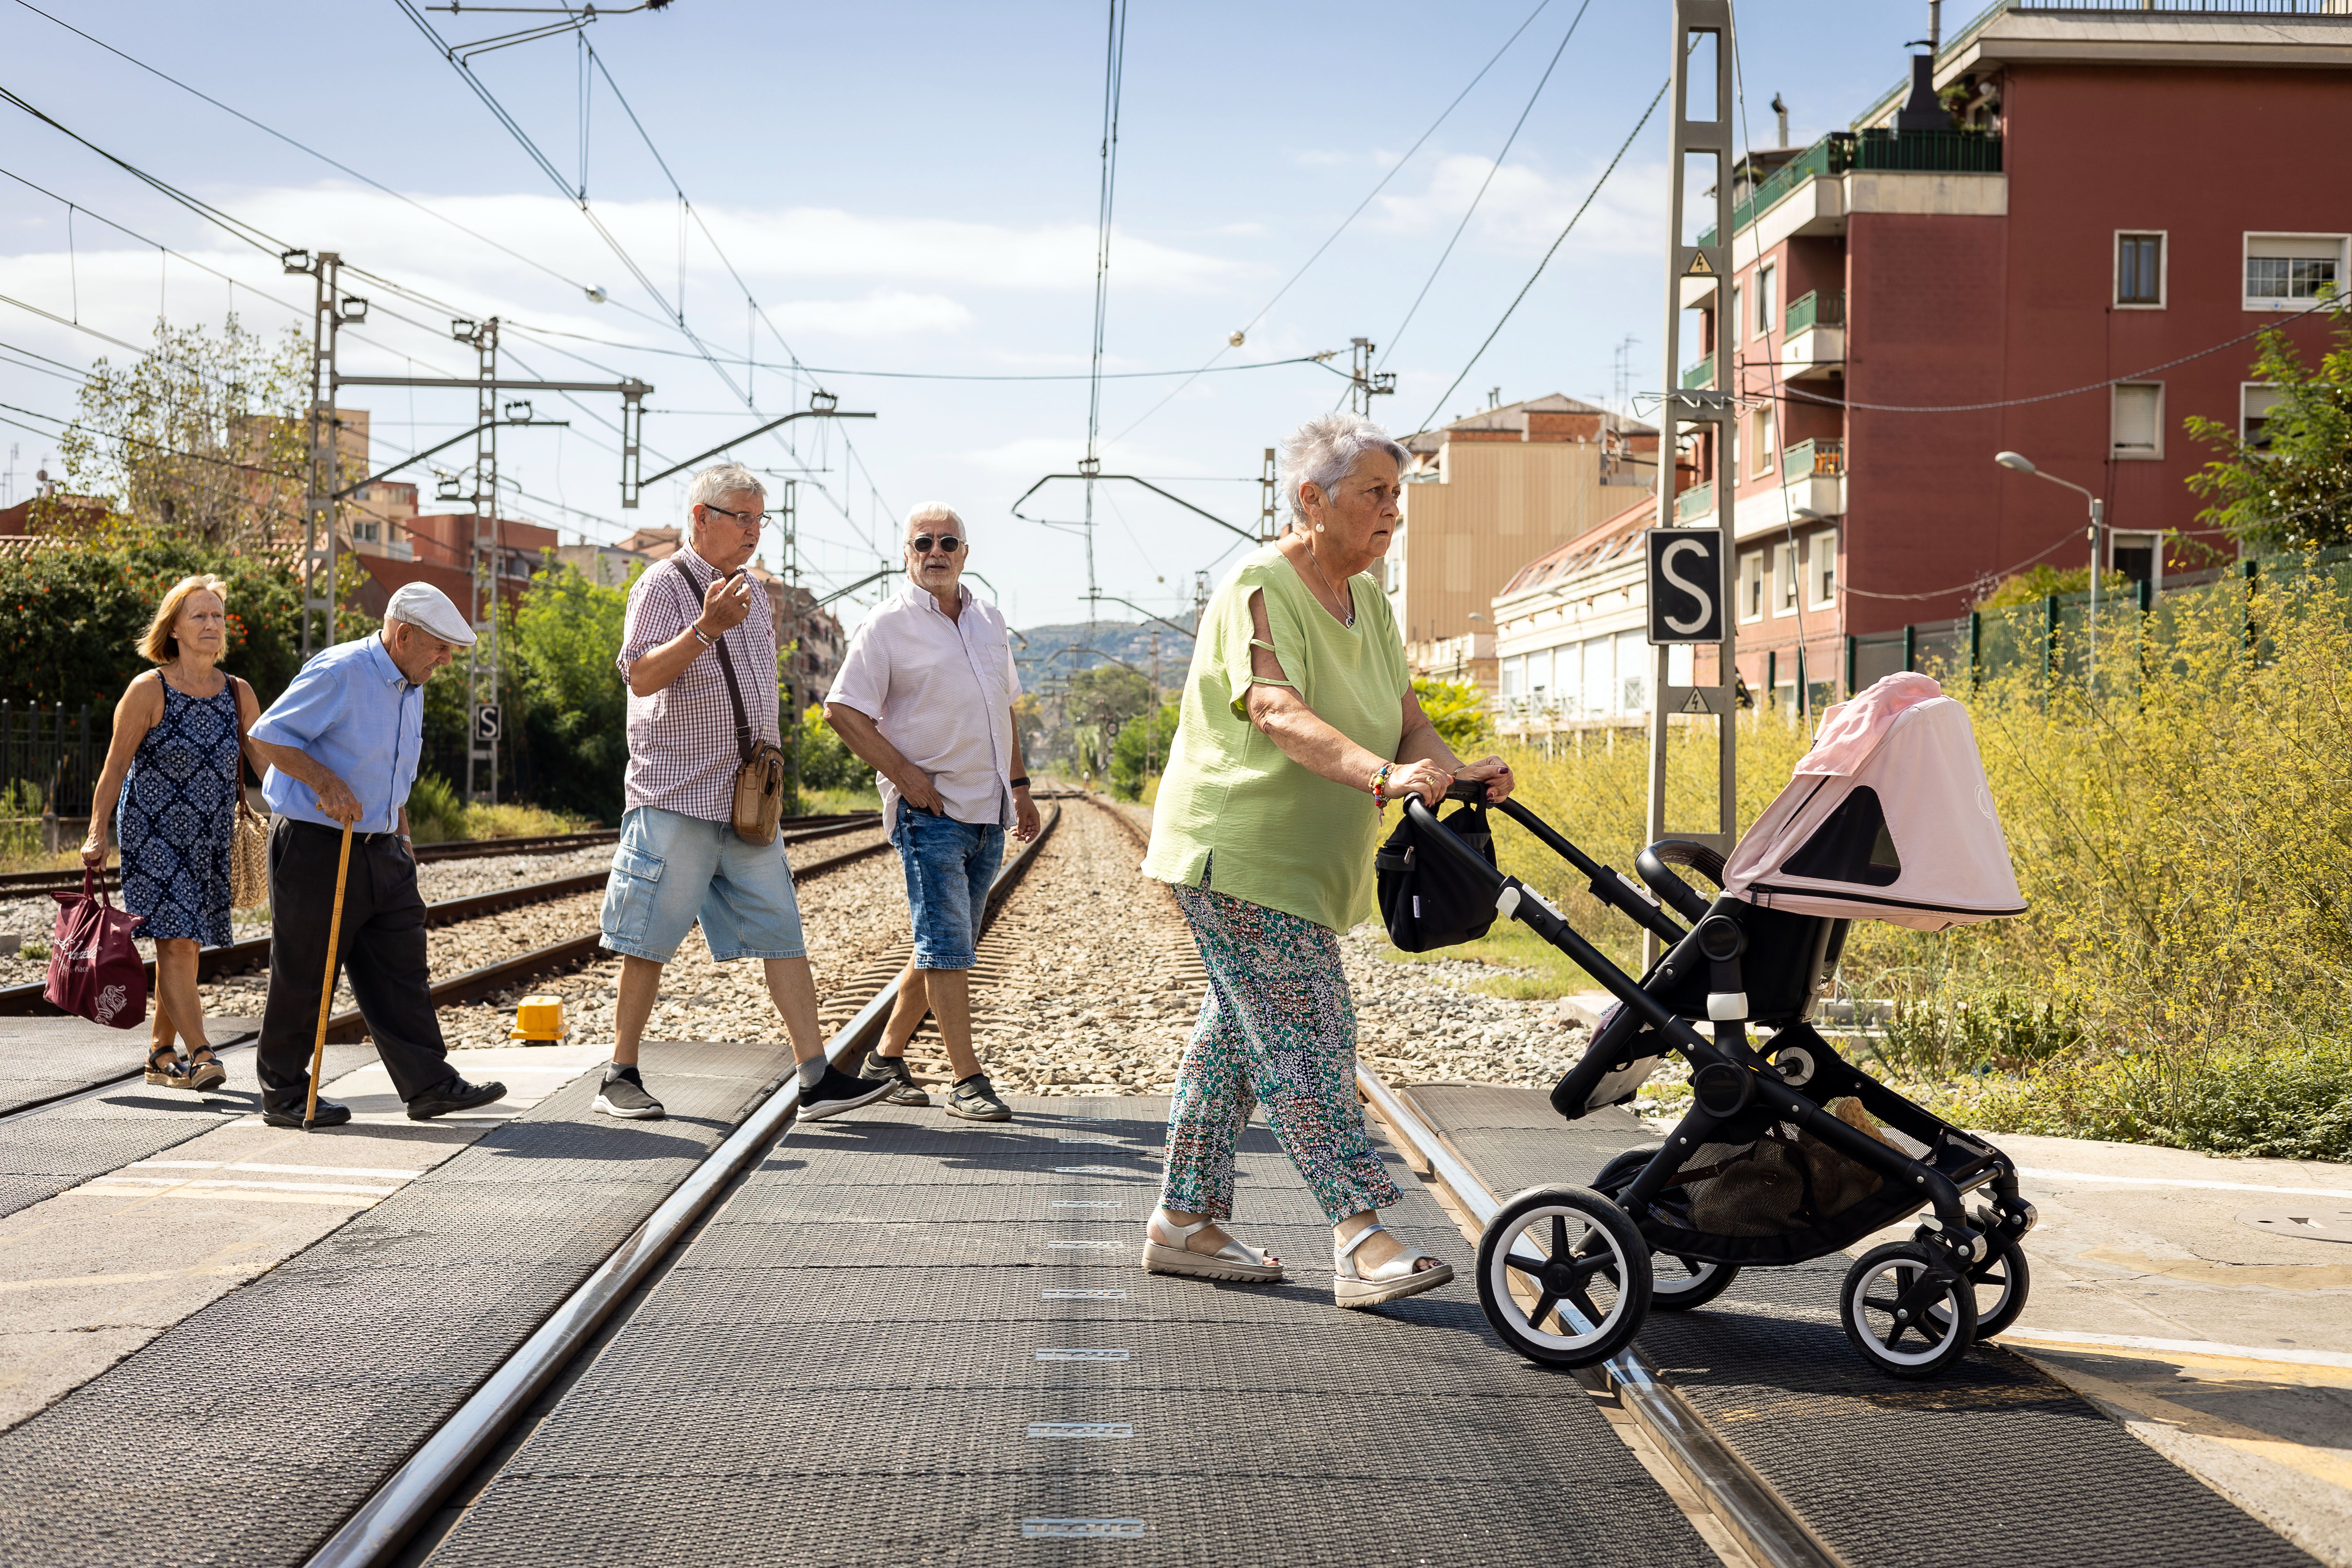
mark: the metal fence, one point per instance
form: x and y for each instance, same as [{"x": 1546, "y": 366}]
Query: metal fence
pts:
[{"x": 2053, "y": 636}]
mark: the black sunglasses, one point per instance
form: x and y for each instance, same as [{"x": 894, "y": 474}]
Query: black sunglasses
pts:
[{"x": 922, "y": 543}]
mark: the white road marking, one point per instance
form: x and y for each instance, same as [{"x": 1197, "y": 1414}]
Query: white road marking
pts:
[
  {"x": 2046, "y": 1175},
  {"x": 1083, "y": 1355},
  {"x": 1085, "y": 1246},
  {"x": 2061, "y": 1336},
  {"x": 1087, "y": 1204},
  {"x": 387, "y": 1174},
  {"x": 1082, "y": 1295},
  {"x": 1081, "y": 1430},
  {"x": 1087, "y": 1529},
  {"x": 206, "y": 1185}
]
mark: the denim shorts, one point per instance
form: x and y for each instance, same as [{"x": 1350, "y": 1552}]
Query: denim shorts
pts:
[
  {"x": 669, "y": 871},
  {"x": 949, "y": 865}
]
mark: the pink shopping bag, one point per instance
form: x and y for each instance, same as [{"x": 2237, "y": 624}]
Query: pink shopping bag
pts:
[{"x": 95, "y": 972}]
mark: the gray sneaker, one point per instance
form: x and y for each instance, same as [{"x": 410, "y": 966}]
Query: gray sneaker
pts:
[
  {"x": 974, "y": 1098},
  {"x": 623, "y": 1095},
  {"x": 906, "y": 1090}
]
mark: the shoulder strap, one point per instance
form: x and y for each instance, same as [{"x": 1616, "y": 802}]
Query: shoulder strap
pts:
[
  {"x": 236, "y": 706},
  {"x": 743, "y": 737}
]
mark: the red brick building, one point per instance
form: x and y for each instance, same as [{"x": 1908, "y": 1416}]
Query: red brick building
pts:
[{"x": 2100, "y": 200}]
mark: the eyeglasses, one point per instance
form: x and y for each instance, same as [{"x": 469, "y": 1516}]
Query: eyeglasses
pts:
[
  {"x": 922, "y": 543},
  {"x": 752, "y": 520}
]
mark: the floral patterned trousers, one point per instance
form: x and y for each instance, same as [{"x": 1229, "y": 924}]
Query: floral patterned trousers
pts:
[{"x": 1276, "y": 1030}]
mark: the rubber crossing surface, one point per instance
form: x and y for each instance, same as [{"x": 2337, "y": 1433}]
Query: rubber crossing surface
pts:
[
  {"x": 246, "y": 1434},
  {"x": 1996, "y": 1460},
  {"x": 904, "y": 1340}
]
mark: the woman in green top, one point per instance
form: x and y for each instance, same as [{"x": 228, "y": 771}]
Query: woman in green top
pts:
[{"x": 1299, "y": 725}]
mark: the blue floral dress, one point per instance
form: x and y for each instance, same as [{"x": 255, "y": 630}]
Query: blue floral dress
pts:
[{"x": 179, "y": 805}]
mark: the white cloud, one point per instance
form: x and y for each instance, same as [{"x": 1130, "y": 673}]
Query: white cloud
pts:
[{"x": 1526, "y": 207}]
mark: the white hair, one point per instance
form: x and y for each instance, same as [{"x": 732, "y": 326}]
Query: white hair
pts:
[
  {"x": 718, "y": 482},
  {"x": 1323, "y": 451},
  {"x": 933, "y": 512}
]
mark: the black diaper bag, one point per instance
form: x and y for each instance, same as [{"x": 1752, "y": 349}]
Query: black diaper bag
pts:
[{"x": 1428, "y": 898}]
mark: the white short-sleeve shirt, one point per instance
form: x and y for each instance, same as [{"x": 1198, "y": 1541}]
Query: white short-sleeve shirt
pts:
[{"x": 940, "y": 690}]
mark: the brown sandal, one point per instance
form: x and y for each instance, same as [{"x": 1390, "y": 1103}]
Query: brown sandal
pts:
[
  {"x": 207, "y": 1073},
  {"x": 173, "y": 1074}
]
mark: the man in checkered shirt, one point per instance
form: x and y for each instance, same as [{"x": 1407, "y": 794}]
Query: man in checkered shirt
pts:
[{"x": 678, "y": 860}]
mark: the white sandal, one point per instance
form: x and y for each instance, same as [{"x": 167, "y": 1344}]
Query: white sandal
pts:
[
  {"x": 1390, "y": 1281},
  {"x": 1162, "y": 1255}
]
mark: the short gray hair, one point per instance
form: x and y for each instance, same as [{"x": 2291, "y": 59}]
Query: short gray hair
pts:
[
  {"x": 934, "y": 513},
  {"x": 1322, "y": 451},
  {"x": 721, "y": 480}
]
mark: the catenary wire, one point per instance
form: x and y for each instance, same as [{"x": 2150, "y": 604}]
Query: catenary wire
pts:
[
  {"x": 1353, "y": 215},
  {"x": 1548, "y": 255}
]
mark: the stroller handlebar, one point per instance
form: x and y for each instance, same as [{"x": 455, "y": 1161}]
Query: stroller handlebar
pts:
[{"x": 1611, "y": 887}]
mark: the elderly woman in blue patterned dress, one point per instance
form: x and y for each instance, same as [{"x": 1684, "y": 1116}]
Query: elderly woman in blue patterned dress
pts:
[{"x": 170, "y": 784}]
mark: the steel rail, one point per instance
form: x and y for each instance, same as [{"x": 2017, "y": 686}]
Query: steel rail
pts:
[
  {"x": 1767, "y": 1526},
  {"x": 26, "y": 1000},
  {"x": 382, "y": 1526}
]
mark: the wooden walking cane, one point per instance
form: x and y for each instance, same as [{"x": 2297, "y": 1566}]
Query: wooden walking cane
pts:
[{"x": 327, "y": 992}]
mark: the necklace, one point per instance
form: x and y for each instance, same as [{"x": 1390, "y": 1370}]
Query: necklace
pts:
[{"x": 1347, "y": 619}]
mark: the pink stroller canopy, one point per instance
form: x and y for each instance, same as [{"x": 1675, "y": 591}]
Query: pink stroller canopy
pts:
[{"x": 1887, "y": 818}]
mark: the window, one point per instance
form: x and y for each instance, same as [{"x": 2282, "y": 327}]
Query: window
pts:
[
  {"x": 2255, "y": 401},
  {"x": 1730, "y": 334},
  {"x": 1632, "y": 673},
  {"x": 2138, "y": 556},
  {"x": 1751, "y": 585},
  {"x": 2137, "y": 419},
  {"x": 1599, "y": 675},
  {"x": 1514, "y": 677},
  {"x": 2140, "y": 270},
  {"x": 1784, "y": 579},
  {"x": 1567, "y": 677},
  {"x": 1768, "y": 278},
  {"x": 1821, "y": 561},
  {"x": 2288, "y": 271},
  {"x": 1761, "y": 445},
  {"x": 366, "y": 532}
]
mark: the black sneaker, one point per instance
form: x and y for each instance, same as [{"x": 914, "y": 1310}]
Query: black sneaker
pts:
[
  {"x": 453, "y": 1094},
  {"x": 904, "y": 1090},
  {"x": 975, "y": 1099},
  {"x": 329, "y": 1115},
  {"x": 623, "y": 1095},
  {"x": 837, "y": 1091}
]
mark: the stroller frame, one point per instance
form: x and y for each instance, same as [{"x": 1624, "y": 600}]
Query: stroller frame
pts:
[{"x": 1718, "y": 966}]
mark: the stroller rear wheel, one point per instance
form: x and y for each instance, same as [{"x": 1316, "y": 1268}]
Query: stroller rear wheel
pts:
[
  {"x": 1676, "y": 1284},
  {"x": 1564, "y": 1275},
  {"x": 1904, "y": 1320}
]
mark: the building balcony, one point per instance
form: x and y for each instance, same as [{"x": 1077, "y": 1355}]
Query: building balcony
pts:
[
  {"x": 1814, "y": 344},
  {"x": 1823, "y": 455},
  {"x": 1696, "y": 502},
  {"x": 1843, "y": 152},
  {"x": 1698, "y": 373}
]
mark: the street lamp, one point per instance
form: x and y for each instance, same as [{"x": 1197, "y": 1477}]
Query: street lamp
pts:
[{"x": 2017, "y": 462}]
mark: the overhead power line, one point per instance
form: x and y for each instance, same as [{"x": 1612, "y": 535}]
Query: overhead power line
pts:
[{"x": 1548, "y": 255}]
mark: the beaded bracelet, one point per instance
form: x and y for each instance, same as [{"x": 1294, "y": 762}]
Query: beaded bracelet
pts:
[{"x": 1381, "y": 788}]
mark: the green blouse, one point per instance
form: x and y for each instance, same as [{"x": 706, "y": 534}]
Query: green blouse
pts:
[{"x": 1283, "y": 836}]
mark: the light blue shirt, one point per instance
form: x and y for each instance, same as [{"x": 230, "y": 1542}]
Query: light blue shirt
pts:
[{"x": 354, "y": 714}]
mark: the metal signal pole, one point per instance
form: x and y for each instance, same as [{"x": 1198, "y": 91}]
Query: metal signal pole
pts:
[
  {"x": 1700, "y": 150},
  {"x": 482, "y": 659},
  {"x": 329, "y": 311}
]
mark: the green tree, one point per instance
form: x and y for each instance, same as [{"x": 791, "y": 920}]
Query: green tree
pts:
[
  {"x": 565, "y": 698},
  {"x": 1458, "y": 709},
  {"x": 203, "y": 435},
  {"x": 2294, "y": 490},
  {"x": 1106, "y": 697},
  {"x": 826, "y": 761},
  {"x": 1141, "y": 750}
]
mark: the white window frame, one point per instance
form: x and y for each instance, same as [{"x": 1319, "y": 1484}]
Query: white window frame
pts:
[
  {"x": 1785, "y": 592},
  {"x": 1751, "y": 591},
  {"x": 1764, "y": 440},
  {"x": 2116, "y": 449},
  {"x": 1767, "y": 284},
  {"x": 2342, "y": 243},
  {"x": 2163, "y": 270},
  {"x": 2244, "y": 387},
  {"x": 1825, "y": 543}
]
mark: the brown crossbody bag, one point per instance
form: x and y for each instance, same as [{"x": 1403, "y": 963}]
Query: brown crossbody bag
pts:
[{"x": 759, "y": 781}]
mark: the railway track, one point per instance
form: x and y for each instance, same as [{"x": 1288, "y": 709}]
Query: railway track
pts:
[
  {"x": 28, "y": 884},
  {"x": 472, "y": 984}
]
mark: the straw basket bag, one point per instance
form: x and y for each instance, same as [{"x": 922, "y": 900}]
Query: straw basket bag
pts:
[{"x": 248, "y": 841}]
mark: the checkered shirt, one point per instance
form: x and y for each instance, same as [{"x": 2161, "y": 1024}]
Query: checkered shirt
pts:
[{"x": 682, "y": 746}]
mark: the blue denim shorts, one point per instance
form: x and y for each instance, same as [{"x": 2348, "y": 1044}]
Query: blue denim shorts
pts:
[
  {"x": 670, "y": 870},
  {"x": 949, "y": 865}
]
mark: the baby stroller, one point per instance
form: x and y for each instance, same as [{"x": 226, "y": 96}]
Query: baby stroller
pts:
[{"x": 1788, "y": 1153}]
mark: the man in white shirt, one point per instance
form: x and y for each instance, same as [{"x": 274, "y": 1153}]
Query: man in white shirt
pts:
[{"x": 925, "y": 694}]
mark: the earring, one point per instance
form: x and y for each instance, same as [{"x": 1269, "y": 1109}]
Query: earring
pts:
[{"x": 1319, "y": 528}]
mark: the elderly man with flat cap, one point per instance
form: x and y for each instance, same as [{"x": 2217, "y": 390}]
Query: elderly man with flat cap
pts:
[{"x": 342, "y": 744}]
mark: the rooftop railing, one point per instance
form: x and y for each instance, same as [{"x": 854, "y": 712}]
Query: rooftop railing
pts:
[
  {"x": 1914, "y": 152},
  {"x": 1822, "y": 308}
]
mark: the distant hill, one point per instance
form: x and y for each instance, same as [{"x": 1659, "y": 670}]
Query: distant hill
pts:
[{"x": 1126, "y": 640}]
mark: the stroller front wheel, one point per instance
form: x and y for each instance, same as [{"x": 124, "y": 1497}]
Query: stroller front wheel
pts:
[
  {"x": 2002, "y": 1282},
  {"x": 1907, "y": 1323},
  {"x": 1564, "y": 1275}
]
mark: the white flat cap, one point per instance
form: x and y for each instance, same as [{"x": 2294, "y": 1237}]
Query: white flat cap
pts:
[{"x": 426, "y": 606}]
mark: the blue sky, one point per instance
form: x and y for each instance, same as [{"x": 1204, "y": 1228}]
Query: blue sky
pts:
[{"x": 902, "y": 188}]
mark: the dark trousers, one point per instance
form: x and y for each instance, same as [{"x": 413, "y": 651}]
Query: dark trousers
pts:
[{"x": 383, "y": 955}]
